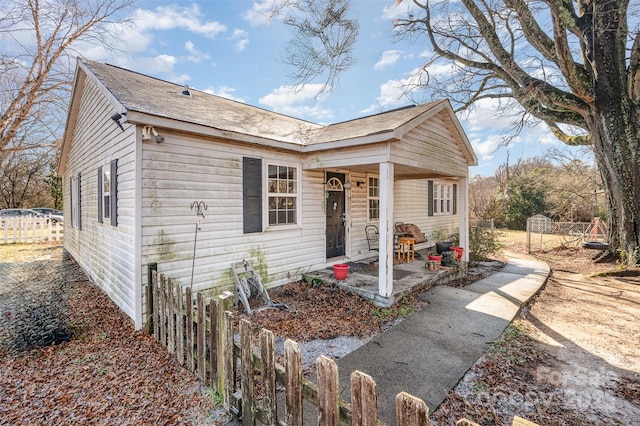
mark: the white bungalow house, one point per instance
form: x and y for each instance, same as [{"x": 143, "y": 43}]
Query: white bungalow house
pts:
[{"x": 289, "y": 195}]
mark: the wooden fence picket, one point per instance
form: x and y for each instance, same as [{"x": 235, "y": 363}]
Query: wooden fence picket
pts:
[
  {"x": 228, "y": 374},
  {"x": 171, "y": 320},
  {"x": 189, "y": 326},
  {"x": 213, "y": 343},
  {"x": 328, "y": 413},
  {"x": 411, "y": 411},
  {"x": 156, "y": 305},
  {"x": 267, "y": 357},
  {"x": 293, "y": 382},
  {"x": 179, "y": 325},
  {"x": 364, "y": 399},
  {"x": 163, "y": 312},
  {"x": 201, "y": 346},
  {"x": 246, "y": 374}
]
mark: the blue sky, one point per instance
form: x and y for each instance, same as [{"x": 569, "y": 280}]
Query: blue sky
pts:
[{"x": 231, "y": 48}]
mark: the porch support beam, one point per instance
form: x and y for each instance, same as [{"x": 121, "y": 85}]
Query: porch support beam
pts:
[
  {"x": 385, "y": 261},
  {"x": 463, "y": 215}
]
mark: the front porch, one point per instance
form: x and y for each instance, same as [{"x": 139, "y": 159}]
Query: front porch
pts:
[{"x": 408, "y": 278}]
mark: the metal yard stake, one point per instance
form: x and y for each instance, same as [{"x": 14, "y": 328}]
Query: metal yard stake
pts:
[{"x": 200, "y": 207}]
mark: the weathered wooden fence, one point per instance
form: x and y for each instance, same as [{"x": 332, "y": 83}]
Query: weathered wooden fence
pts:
[
  {"x": 29, "y": 230},
  {"x": 200, "y": 334}
]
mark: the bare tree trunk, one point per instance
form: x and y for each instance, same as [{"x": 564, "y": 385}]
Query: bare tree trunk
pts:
[{"x": 614, "y": 128}]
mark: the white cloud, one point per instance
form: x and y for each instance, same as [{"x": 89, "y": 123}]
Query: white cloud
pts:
[
  {"x": 485, "y": 114},
  {"x": 195, "y": 55},
  {"x": 261, "y": 11},
  {"x": 395, "y": 92},
  {"x": 225, "y": 92},
  {"x": 175, "y": 17},
  {"x": 397, "y": 9},
  {"x": 288, "y": 100},
  {"x": 289, "y": 95},
  {"x": 485, "y": 147},
  {"x": 241, "y": 38},
  {"x": 388, "y": 58}
]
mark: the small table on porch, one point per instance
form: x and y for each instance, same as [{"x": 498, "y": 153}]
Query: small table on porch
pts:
[{"x": 406, "y": 249}]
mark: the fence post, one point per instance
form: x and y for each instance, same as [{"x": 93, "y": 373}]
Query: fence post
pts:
[
  {"x": 202, "y": 333},
  {"x": 267, "y": 356},
  {"x": 225, "y": 343},
  {"x": 163, "y": 311},
  {"x": 179, "y": 325},
  {"x": 328, "y": 413},
  {"x": 411, "y": 411},
  {"x": 151, "y": 267},
  {"x": 213, "y": 343},
  {"x": 189, "y": 324},
  {"x": 156, "y": 306},
  {"x": 227, "y": 373},
  {"x": 171, "y": 320},
  {"x": 364, "y": 402},
  {"x": 246, "y": 374},
  {"x": 293, "y": 385}
]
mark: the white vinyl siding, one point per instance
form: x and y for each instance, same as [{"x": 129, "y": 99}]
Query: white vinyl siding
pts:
[
  {"x": 185, "y": 168},
  {"x": 105, "y": 253}
]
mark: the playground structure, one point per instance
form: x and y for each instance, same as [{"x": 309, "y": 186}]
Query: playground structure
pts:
[{"x": 543, "y": 234}]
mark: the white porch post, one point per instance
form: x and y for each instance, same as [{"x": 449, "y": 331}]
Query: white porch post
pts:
[
  {"x": 463, "y": 215},
  {"x": 385, "y": 262}
]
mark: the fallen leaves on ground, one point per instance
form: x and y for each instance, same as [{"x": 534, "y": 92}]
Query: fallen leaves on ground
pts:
[
  {"x": 325, "y": 312},
  {"x": 107, "y": 374}
]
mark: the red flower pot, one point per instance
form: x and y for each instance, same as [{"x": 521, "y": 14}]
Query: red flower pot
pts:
[
  {"x": 458, "y": 251},
  {"x": 435, "y": 258},
  {"x": 340, "y": 271}
]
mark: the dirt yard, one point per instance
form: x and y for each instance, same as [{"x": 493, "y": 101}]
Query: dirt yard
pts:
[{"x": 571, "y": 359}]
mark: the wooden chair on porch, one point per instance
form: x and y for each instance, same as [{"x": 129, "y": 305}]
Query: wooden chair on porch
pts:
[{"x": 373, "y": 238}]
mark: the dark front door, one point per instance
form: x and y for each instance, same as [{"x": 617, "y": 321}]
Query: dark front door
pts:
[{"x": 335, "y": 215}]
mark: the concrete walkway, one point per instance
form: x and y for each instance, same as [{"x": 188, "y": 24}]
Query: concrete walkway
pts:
[{"x": 427, "y": 354}]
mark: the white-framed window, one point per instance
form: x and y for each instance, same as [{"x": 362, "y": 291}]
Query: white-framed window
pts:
[
  {"x": 106, "y": 192},
  {"x": 282, "y": 195},
  {"x": 373, "y": 197},
  {"x": 75, "y": 201},
  {"x": 442, "y": 198}
]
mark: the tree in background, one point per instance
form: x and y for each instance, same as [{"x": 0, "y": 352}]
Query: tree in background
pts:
[
  {"x": 54, "y": 184},
  {"x": 573, "y": 65},
  {"x": 22, "y": 179},
  {"x": 570, "y": 187},
  {"x": 37, "y": 40}
]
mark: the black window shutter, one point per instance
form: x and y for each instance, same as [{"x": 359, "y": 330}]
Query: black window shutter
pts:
[
  {"x": 100, "y": 194},
  {"x": 252, "y": 194},
  {"x": 71, "y": 203},
  {"x": 113, "y": 188},
  {"x": 79, "y": 202},
  {"x": 455, "y": 198},
  {"x": 430, "y": 198}
]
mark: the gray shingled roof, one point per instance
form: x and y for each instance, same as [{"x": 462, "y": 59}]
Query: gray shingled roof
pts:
[{"x": 141, "y": 93}]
